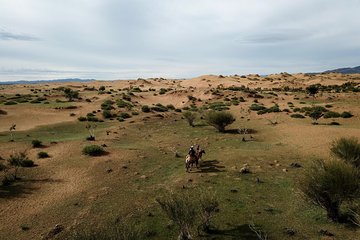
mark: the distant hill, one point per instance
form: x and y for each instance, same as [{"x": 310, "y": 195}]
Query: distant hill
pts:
[
  {"x": 345, "y": 70},
  {"x": 46, "y": 81}
]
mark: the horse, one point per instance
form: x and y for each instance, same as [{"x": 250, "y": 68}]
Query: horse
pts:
[{"x": 190, "y": 160}]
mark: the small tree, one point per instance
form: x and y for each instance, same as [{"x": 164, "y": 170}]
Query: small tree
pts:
[
  {"x": 347, "y": 149},
  {"x": 71, "y": 94},
  {"x": 190, "y": 117},
  {"x": 312, "y": 90},
  {"x": 219, "y": 120},
  {"x": 180, "y": 208},
  {"x": 11, "y": 129},
  {"x": 315, "y": 115},
  {"x": 91, "y": 128},
  {"x": 330, "y": 183},
  {"x": 19, "y": 159}
]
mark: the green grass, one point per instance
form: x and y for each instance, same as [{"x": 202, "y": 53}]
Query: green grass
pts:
[{"x": 274, "y": 204}]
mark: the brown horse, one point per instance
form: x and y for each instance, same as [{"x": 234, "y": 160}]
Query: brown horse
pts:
[{"x": 191, "y": 160}]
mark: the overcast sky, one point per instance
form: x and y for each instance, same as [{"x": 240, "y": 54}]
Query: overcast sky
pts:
[{"x": 121, "y": 39}]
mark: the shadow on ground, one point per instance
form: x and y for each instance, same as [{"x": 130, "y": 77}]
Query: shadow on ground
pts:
[
  {"x": 23, "y": 187},
  {"x": 238, "y": 232},
  {"x": 209, "y": 166}
]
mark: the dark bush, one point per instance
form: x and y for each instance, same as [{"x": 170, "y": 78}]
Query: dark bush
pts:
[
  {"x": 93, "y": 150},
  {"x": 107, "y": 114},
  {"x": 297, "y": 115},
  {"x": 145, "y": 108},
  {"x": 124, "y": 115},
  {"x": 331, "y": 115},
  {"x": 43, "y": 155},
  {"x": 256, "y": 107},
  {"x": 10, "y": 103},
  {"x": 36, "y": 143},
  {"x": 3, "y": 112},
  {"x": 346, "y": 115},
  {"x": 82, "y": 119},
  {"x": 159, "y": 108}
]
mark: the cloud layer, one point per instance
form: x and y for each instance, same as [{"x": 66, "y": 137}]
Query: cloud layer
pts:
[{"x": 119, "y": 39}]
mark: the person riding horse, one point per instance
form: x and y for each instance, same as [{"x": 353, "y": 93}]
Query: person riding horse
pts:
[
  {"x": 194, "y": 157},
  {"x": 192, "y": 152}
]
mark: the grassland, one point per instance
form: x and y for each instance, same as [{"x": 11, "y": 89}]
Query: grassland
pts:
[{"x": 81, "y": 192}]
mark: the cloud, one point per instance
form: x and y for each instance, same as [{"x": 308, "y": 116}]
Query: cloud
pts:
[
  {"x": 175, "y": 38},
  {"x": 4, "y": 35}
]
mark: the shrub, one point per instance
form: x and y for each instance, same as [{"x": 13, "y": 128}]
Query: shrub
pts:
[
  {"x": 120, "y": 119},
  {"x": 82, "y": 119},
  {"x": 145, "y": 108},
  {"x": 170, "y": 106},
  {"x": 218, "y": 106},
  {"x": 124, "y": 104},
  {"x": 159, "y": 108},
  {"x": 190, "y": 117},
  {"x": 124, "y": 115},
  {"x": 3, "y": 112},
  {"x": 93, "y": 150},
  {"x": 107, "y": 105},
  {"x": 71, "y": 94},
  {"x": 102, "y": 88},
  {"x": 346, "y": 115},
  {"x": 334, "y": 123},
  {"x": 107, "y": 114},
  {"x": 219, "y": 120},
  {"x": 330, "y": 183},
  {"x": 297, "y": 115},
  {"x": 256, "y": 107},
  {"x": 135, "y": 113},
  {"x": 331, "y": 115},
  {"x": 10, "y": 103},
  {"x": 43, "y": 155},
  {"x": 36, "y": 143},
  {"x": 312, "y": 90},
  {"x": 347, "y": 149},
  {"x": 180, "y": 209}
]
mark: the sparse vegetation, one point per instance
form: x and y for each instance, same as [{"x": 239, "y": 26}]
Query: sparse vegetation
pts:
[
  {"x": 43, "y": 155},
  {"x": 93, "y": 150},
  {"x": 36, "y": 143}
]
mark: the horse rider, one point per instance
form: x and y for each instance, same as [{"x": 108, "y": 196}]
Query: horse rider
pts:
[{"x": 192, "y": 152}]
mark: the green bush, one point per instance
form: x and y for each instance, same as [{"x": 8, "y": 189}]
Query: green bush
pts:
[
  {"x": 331, "y": 115},
  {"x": 135, "y": 113},
  {"x": 107, "y": 114},
  {"x": 145, "y": 108},
  {"x": 159, "y": 108},
  {"x": 124, "y": 104},
  {"x": 346, "y": 115},
  {"x": 10, "y": 103},
  {"x": 330, "y": 183},
  {"x": 36, "y": 143},
  {"x": 93, "y": 150},
  {"x": 43, "y": 155},
  {"x": 218, "y": 106},
  {"x": 82, "y": 119},
  {"x": 347, "y": 149},
  {"x": 297, "y": 115},
  {"x": 219, "y": 120},
  {"x": 20, "y": 159},
  {"x": 124, "y": 115},
  {"x": 190, "y": 117},
  {"x": 256, "y": 107}
]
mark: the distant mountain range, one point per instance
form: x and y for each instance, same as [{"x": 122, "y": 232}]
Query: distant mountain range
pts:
[
  {"x": 345, "y": 70},
  {"x": 47, "y": 81}
]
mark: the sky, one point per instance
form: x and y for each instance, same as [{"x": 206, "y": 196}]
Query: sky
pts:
[{"x": 129, "y": 39}]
